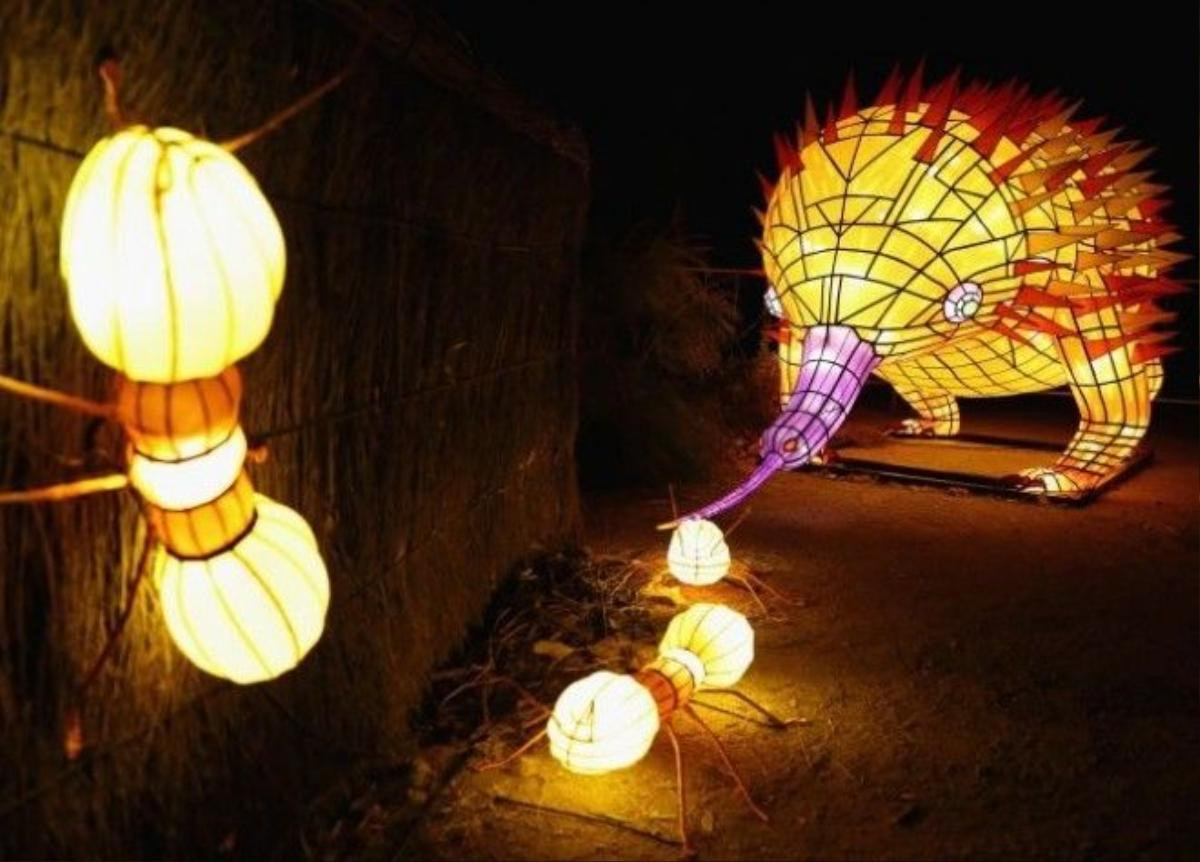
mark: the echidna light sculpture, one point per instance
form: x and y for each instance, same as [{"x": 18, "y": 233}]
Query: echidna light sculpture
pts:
[{"x": 964, "y": 241}]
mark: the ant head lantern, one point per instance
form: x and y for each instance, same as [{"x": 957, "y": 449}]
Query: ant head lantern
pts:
[
  {"x": 172, "y": 256},
  {"x": 698, "y": 554},
  {"x": 601, "y": 723}
]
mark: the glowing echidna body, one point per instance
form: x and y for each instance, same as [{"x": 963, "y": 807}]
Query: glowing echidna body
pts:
[{"x": 964, "y": 242}]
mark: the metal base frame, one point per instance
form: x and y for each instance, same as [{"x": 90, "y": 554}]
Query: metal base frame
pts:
[{"x": 978, "y": 483}]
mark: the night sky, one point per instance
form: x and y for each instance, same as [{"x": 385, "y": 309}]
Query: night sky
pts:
[{"x": 679, "y": 102}]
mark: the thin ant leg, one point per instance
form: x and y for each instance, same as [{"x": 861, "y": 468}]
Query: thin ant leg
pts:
[
  {"x": 733, "y": 770},
  {"x": 772, "y": 719},
  {"x": 681, "y": 793},
  {"x": 496, "y": 764},
  {"x": 744, "y": 582},
  {"x": 751, "y": 583}
]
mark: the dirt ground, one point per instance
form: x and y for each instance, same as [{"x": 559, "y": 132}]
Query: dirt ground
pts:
[{"x": 982, "y": 678}]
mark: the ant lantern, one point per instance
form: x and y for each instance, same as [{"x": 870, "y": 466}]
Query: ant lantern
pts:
[
  {"x": 173, "y": 261},
  {"x": 964, "y": 241},
  {"x": 607, "y": 721},
  {"x": 698, "y": 554}
]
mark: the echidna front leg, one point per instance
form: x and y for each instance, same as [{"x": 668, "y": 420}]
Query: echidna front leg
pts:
[
  {"x": 1113, "y": 395},
  {"x": 937, "y": 414}
]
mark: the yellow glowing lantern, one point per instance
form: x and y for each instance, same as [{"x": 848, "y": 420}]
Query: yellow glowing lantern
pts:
[
  {"x": 252, "y": 611},
  {"x": 698, "y": 554},
  {"x": 712, "y": 637},
  {"x": 170, "y": 422},
  {"x": 602, "y": 723},
  {"x": 172, "y": 256}
]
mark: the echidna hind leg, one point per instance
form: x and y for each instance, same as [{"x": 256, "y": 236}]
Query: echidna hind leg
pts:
[
  {"x": 937, "y": 414},
  {"x": 1113, "y": 395}
]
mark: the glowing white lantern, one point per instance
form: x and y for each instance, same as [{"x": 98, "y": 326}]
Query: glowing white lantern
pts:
[
  {"x": 719, "y": 638},
  {"x": 601, "y": 723},
  {"x": 252, "y": 611},
  {"x": 172, "y": 256},
  {"x": 698, "y": 554},
  {"x": 190, "y": 482}
]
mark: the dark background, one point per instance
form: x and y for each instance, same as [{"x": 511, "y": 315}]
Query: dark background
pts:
[{"x": 679, "y": 101}]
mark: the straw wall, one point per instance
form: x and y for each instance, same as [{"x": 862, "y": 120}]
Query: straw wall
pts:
[{"x": 417, "y": 392}]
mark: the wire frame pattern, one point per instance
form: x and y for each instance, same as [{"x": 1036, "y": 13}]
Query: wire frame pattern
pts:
[{"x": 884, "y": 217}]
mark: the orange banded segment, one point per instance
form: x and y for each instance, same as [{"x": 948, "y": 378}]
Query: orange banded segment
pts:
[
  {"x": 173, "y": 421},
  {"x": 209, "y": 529}
]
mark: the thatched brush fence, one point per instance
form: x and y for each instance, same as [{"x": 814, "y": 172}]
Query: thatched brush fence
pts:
[{"x": 417, "y": 393}]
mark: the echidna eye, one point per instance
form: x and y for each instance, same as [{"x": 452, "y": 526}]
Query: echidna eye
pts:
[{"x": 962, "y": 302}]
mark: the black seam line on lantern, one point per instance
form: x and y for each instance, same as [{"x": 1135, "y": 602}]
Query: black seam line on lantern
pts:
[
  {"x": 219, "y": 513},
  {"x": 237, "y": 626},
  {"x": 226, "y": 291},
  {"x": 204, "y": 412},
  {"x": 258, "y": 246},
  {"x": 115, "y": 305},
  {"x": 203, "y": 558},
  {"x": 137, "y": 408},
  {"x": 581, "y": 757},
  {"x": 165, "y": 253},
  {"x": 301, "y": 531},
  {"x": 207, "y": 451},
  {"x": 191, "y": 521},
  {"x": 279, "y": 608},
  {"x": 719, "y": 658},
  {"x": 168, "y": 400},
  {"x": 716, "y": 661},
  {"x": 283, "y": 552},
  {"x": 181, "y": 608}
]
